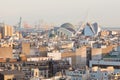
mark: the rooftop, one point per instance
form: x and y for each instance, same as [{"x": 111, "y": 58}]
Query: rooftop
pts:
[
  {"x": 68, "y": 26},
  {"x": 11, "y": 72},
  {"x": 111, "y": 56}
]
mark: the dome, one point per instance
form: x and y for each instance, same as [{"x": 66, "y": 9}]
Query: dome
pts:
[
  {"x": 68, "y": 26},
  {"x": 66, "y": 30}
]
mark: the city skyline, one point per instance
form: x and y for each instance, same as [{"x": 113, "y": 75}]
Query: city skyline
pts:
[
  {"x": 105, "y": 12},
  {"x": 59, "y": 40}
]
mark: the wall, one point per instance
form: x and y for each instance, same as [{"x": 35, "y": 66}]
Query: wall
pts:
[
  {"x": 54, "y": 55},
  {"x": 6, "y": 52},
  {"x": 26, "y": 48},
  {"x": 96, "y": 53},
  {"x": 6, "y": 77},
  {"x": 108, "y": 49}
]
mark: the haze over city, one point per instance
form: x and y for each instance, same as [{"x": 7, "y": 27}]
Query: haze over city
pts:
[
  {"x": 59, "y": 40},
  {"x": 105, "y": 12}
]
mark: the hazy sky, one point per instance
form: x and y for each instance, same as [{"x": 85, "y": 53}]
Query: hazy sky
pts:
[{"x": 105, "y": 12}]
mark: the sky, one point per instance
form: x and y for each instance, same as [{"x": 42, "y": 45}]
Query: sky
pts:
[{"x": 105, "y": 12}]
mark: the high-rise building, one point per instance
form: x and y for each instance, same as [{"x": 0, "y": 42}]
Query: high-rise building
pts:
[{"x": 6, "y": 30}]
